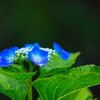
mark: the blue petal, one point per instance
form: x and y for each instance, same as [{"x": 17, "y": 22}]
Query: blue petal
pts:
[
  {"x": 65, "y": 55},
  {"x": 0, "y": 58},
  {"x": 38, "y": 56},
  {"x": 7, "y": 58},
  {"x": 14, "y": 48},
  {"x": 61, "y": 52},
  {"x": 31, "y": 45},
  {"x": 57, "y": 47},
  {"x": 36, "y": 45},
  {"x": 28, "y": 46}
]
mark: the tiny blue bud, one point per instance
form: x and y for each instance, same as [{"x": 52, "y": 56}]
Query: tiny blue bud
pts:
[
  {"x": 38, "y": 56},
  {"x": 61, "y": 52}
]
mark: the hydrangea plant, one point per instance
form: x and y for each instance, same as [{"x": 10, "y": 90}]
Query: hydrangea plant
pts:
[{"x": 50, "y": 71}]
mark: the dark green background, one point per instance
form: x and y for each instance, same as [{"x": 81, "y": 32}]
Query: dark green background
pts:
[{"x": 73, "y": 24}]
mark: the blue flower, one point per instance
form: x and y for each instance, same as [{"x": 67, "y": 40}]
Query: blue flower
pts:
[
  {"x": 28, "y": 46},
  {"x": 61, "y": 52},
  {"x": 14, "y": 48},
  {"x": 7, "y": 57},
  {"x": 38, "y": 56}
]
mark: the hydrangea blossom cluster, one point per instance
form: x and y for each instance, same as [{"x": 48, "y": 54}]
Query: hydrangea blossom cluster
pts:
[{"x": 33, "y": 52}]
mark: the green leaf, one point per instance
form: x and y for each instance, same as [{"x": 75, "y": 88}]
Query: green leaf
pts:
[
  {"x": 59, "y": 86},
  {"x": 19, "y": 76},
  {"x": 83, "y": 94},
  {"x": 14, "y": 85},
  {"x": 14, "y": 68},
  {"x": 56, "y": 64}
]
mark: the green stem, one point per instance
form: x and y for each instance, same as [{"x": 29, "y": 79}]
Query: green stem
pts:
[
  {"x": 30, "y": 91},
  {"x": 31, "y": 68}
]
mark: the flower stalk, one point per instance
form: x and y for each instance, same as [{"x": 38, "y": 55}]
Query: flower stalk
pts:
[{"x": 31, "y": 68}]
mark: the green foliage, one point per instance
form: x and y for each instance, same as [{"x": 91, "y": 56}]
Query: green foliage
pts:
[
  {"x": 83, "y": 94},
  {"x": 14, "y": 85},
  {"x": 57, "y": 64},
  {"x": 58, "y": 80},
  {"x": 14, "y": 68},
  {"x": 59, "y": 86}
]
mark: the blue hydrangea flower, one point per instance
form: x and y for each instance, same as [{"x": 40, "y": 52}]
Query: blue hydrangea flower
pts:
[
  {"x": 14, "y": 49},
  {"x": 38, "y": 56},
  {"x": 61, "y": 52},
  {"x": 28, "y": 46},
  {"x": 7, "y": 57}
]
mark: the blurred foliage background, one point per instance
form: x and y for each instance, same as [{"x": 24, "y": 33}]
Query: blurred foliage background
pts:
[{"x": 73, "y": 24}]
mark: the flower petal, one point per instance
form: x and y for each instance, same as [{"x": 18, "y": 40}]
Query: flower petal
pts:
[
  {"x": 28, "y": 46},
  {"x": 7, "y": 58},
  {"x": 14, "y": 48},
  {"x": 61, "y": 52},
  {"x": 38, "y": 56}
]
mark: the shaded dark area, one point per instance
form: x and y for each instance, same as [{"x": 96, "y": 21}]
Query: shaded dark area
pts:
[
  {"x": 73, "y": 24},
  {"x": 4, "y": 97},
  {"x": 96, "y": 91}
]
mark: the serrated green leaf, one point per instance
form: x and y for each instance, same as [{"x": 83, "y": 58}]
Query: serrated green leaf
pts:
[
  {"x": 14, "y": 68},
  {"x": 14, "y": 85},
  {"x": 57, "y": 64},
  {"x": 83, "y": 94},
  {"x": 59, "y": 86},
  {"x": 19, "y": 76},
  {"x": 17, "y": 90}
]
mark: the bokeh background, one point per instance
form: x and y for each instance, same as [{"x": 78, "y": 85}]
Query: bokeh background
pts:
[{"x": 73, "y": 24}]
